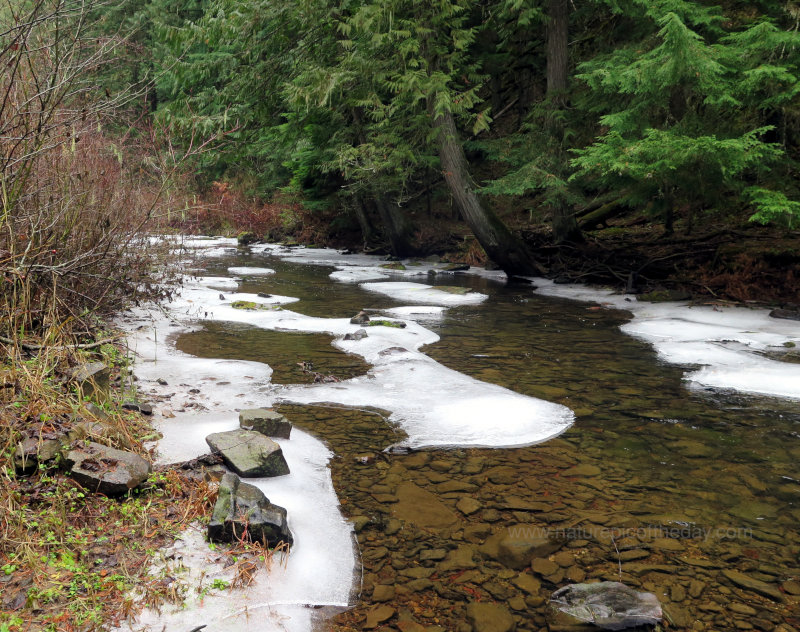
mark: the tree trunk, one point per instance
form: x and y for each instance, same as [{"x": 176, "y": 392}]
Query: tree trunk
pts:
[
  {"x": 360, "y": 209},
  {"x": 557, "y": 54},
  {"x": 396, "y": 227},
  {"x": 500, "y": 245},
  {"x": 565, "y": 226}
]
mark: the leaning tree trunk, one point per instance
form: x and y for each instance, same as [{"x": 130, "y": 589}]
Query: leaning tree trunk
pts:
[
  {"x": 565, "y": 226},
  {"x": 502, "y": 247}
]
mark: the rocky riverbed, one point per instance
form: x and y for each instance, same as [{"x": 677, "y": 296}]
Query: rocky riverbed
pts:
[{"x": 690, "y": 494}]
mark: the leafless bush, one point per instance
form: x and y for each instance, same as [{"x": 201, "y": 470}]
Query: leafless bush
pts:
[{"x": 72, "y": 219}]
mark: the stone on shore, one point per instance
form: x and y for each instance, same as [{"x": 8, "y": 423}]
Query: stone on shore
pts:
[
  {"x": 92, "y": 379},
  {"x": 267, "y": 422},
  {"x": 362, "y": 318},
  {"x": 107, "y": 470},
  {"x": 249, "y": 453},
  {"x": 608, "y": 605},
  {"x": 243, "y": 511}
]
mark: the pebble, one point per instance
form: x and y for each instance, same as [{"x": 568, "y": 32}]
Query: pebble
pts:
[
  {"x": 382, "y": 592},
  {"x": 377, "y": 615},
  {"x": 488, "y": 617},
  {"x": 543, "y": 566},
  {"x": 468, "y": 506}
]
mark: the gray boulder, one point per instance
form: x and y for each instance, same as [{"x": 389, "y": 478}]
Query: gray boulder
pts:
[
  {"x": 107, "y": 470},
  {"x": 92, "y": 379},
  {"x": 362, "y": 318},
  {"x": 608, "y": 605},
  {"x": 243, "y": 511},
  {"x": 358, "y": 335},
  {"x": 249, "y": 453},
  {"x": 267, "y": 422}
]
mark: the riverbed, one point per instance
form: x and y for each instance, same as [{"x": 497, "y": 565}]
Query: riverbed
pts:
[{"x": 509, "y": 413}]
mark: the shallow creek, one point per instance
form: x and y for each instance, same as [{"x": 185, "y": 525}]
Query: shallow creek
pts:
[{"x": 692, "y": 494}]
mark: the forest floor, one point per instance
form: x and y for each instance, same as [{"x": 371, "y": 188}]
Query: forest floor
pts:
[{"x": 744, "y": 263}]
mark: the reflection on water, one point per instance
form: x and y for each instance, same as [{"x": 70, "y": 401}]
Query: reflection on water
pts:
[{"x": 694, "y": 493}]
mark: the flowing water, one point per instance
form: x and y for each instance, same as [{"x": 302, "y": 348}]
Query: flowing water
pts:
[{"x": 688, "y": 493}]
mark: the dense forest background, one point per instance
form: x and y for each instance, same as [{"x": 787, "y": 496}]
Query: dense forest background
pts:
[
  {"x": 384, "y": 116},
  {"x": 639, "y": 142}
]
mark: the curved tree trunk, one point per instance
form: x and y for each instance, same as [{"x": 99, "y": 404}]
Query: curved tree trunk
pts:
[{"x": 503, "y": 248}]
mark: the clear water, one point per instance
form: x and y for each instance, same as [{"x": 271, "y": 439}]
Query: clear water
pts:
[{"x": 651, "y": 470}]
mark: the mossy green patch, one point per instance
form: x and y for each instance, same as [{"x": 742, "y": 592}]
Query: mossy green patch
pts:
[
  {"x": 452, "y": 289},
  {"x": 252, "y": 305},
  {"x": 386, "y": 323},
  {"x": 394, "y": 265}
]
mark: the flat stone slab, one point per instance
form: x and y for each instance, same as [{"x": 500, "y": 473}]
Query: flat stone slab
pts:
[
  {"x": 267, "y": 422},
  {"x": 249, "y": 453},
  {"x": 243, "y": 512},
  {"x": 749, "y": 583},
  {"x": 107, "y": 470},
  {"x": 608, "y": 605}
]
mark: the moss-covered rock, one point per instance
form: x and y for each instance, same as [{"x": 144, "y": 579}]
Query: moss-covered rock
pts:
[
  {"x": 386, "y": 323},
  {"x": 247, "y": 237}
]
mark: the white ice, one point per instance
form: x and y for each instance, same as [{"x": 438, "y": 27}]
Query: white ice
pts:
[
  {"x": 434, "y": 405},
  {"x": 704, "y": 335},
  {"x": 245, "y": 271},
  {"x": 321, "y": 568},
  {"x": 421, "y": 293}
]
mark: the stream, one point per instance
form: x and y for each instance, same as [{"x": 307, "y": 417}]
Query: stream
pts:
[{"x": 683, "y": 490}]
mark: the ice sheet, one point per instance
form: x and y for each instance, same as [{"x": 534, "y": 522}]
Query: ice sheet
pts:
[
  {"x": 703, "y": 335},
  {"x": 247, "y": 271},
  {"x": 321, "y": 568},
  {"x": 421, "y": 293},
  {"x": 318, "y": 571}
]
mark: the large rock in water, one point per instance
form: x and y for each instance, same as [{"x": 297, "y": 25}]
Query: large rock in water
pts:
[
  {"x": 267, "y": 422},
  {"x": 517, "y": 545},
  {"x": 107, "y": 470},
  {"x": 249, "y": 453},
  {"x": 608, "y": 605},
  {"x": 244, "y": 512}
]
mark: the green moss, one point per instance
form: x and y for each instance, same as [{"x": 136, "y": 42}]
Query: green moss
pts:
[
  {"x": 394, "y": 265},
  {"x": 789, "y": 344},
  {"x": 386, "y": 323},
  {"x": 251, "y": 305},
  {"x": 452, "y": 289}
]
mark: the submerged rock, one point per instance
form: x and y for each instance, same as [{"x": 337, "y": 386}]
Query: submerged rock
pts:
[
  {"x": 107, "y": 470},
  {"x": 608, "y": 605},
  {"x": 267, "y": 422},
  {"x": 786, "y": 314},
  {"x": 516, "y": 546},
  {"x": 249, "y": 453},
  {"x": 489, "y": 617},
  {"x": 243, "y": 511}
]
